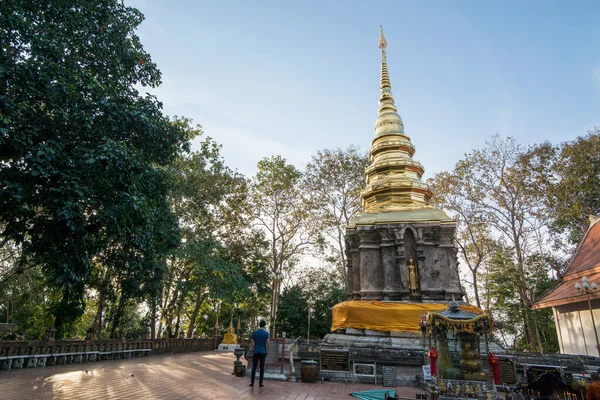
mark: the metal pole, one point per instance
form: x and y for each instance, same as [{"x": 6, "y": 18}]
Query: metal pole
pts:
[
  {"x": 308, "y": 335},
  {"x": 275, "y": 302},
  {"x": 594, "y": 323},
  {"x": 273, "y": 309}
]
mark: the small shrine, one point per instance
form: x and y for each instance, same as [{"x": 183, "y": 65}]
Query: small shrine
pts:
[
  {"x": 229, "y": 342},
  {"x": 457, "y": 338}
]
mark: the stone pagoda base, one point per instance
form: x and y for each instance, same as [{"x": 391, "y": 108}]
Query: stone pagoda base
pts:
[
  {"x": 406, "y": 351},
  {"x": 227, "y": 347}
]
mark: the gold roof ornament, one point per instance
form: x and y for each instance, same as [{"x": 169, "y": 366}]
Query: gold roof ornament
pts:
[
  {"x": 393, "y": 178},
  {"x": 382, "y": 42},
  {"x": 385, "y": 78}
]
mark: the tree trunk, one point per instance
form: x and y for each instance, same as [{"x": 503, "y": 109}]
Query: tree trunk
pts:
[
  {"x": 529, "y": 329},
  {"x": 117, "y": 317},
  {"x": 58, "y": 319},
  {"x": 179, "y": 307},
  {"x": 176, "y": 334},
  {"x": 169, "y": 311},
  {"x": 475, "y": 287},
  {"x": 199, "y": 301},
  {"x": 539, "y": 337},
  {"x": 153, "y": 322},
  {"x": 167, "y": 292},
  {"x": 98, "y": 320}
]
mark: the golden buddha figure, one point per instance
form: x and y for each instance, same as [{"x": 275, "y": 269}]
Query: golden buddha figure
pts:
[
  {"x": 230, "y": 336},
  {"x": 413, "y": 280}
]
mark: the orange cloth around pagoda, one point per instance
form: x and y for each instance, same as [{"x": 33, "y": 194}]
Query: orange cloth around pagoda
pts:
[{"x": 382, "y": 316}]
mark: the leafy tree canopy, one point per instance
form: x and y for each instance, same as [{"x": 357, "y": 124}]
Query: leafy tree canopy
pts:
[
  {"x": 80, "y": 149},
  {"x": 570, "y": 176}
]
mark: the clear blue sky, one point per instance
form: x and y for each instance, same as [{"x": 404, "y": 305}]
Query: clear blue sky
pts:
[{"x": 292, "y": 77}]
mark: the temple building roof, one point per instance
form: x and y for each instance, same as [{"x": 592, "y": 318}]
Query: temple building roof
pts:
[
  {"x": 586, "y": 262},
  {"x": 394, "y": 190}
]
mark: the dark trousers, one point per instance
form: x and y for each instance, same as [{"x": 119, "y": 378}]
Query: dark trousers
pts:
[{"x": 255, "y": 359}]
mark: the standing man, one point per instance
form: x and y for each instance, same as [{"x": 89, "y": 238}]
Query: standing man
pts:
[{"x": 259, "y": 343}]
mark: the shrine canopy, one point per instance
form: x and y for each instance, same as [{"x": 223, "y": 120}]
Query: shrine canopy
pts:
[
  {"x": 457, "y": 320},
  {"x": 387, "y": 316}
]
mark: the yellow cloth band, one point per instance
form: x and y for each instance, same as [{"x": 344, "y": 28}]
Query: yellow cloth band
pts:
[{"x": 385, "y": 317}]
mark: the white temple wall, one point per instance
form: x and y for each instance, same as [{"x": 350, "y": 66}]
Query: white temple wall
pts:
[{"x": 575, "y": 328}]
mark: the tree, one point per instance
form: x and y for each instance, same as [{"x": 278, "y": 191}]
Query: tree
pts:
[
  {"x": 220, "y": 257},
  {"x": 324, "y": 290},
  {"x": 507, "y": 306},
  {"x": 281, "y": 212},
  {"x": 570, "y": 176},
  {"x": 453, "y": 191},
  {"x": 502, "y": 191},
  {"x": 81, "y": 151},
  {"x": 334, "y": 179}
]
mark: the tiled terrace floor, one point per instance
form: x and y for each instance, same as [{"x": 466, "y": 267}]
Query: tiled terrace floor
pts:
[{"x": 205, "y": 375}]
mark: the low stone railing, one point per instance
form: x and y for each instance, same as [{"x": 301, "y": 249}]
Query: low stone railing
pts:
[{"x": 39, "y": 353}]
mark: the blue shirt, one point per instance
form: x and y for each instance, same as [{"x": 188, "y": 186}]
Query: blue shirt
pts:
[{"x": 260, "y": 337}]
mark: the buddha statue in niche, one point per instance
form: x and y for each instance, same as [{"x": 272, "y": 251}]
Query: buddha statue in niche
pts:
[{"x": 413, "y": 279}]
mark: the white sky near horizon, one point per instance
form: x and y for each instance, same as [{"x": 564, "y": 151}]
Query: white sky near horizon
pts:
[{"x": 290, "y": 78}]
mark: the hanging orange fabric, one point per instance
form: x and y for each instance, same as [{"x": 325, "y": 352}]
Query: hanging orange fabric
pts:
[{"x": 385, "y": 317}]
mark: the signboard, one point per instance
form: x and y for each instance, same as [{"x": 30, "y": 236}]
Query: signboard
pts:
[
  {"x": 369, "y": 370},
  {"x": 427, "y": 372},
  {"x": 335, "y": 360},
  {"x": 389, "y": 376},
  {"x": 544, "y": 374},
  {"x": 506, "y": 367}
]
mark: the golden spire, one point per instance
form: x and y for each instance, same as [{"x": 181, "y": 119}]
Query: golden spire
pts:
[
  {"x": 393, "y": 178},
  {"x": 382, "y": 42},
  {"x": 385, "y": 78}
]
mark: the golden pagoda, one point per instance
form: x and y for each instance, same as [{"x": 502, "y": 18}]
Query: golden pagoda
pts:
[
  {"x": 394, "y": 191},
  {"x": 401, "y": 257},
  {"x": 393, "y": 178}
]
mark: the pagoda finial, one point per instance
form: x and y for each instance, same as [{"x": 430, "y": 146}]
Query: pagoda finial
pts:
[
  {"x": 393, "y": 178},
  {"x": 382, "y": 42},
  {"x": 385, "y": 78}
]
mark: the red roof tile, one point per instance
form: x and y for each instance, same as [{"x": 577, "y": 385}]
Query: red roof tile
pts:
[
  {"x": 565, "y": 292},
  {"x": 588, "y": 254},
  {"x": 586, "y": 262}
]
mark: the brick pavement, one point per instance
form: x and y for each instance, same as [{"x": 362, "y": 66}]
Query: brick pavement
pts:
[{"x": 203, "y": 375}]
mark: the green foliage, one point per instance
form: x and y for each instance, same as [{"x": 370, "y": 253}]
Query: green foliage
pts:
[
  {"x": 334, "y": 179},
  {"x": 280, "y": 206},
  {"x": 499, "y": 202},
  {"x": 570, "y": 176},
  {"x": 507, "y": 306},
  {"x": 81, "y": 150},
  {"x": 26, "y": 301},
  {"x": 220, "y": 258},
  {"x": 292, "y": 313},
  {"x": 454, "y": 192}
]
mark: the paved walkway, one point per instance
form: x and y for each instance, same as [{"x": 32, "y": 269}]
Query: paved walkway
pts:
[{"x": 205, "y": 375}]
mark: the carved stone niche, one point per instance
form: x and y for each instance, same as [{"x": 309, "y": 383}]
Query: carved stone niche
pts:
[
  {"x": 371, "y": 267},
  {"x": 378, "y": 257},
  {"x": 392, "y": 288}
]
